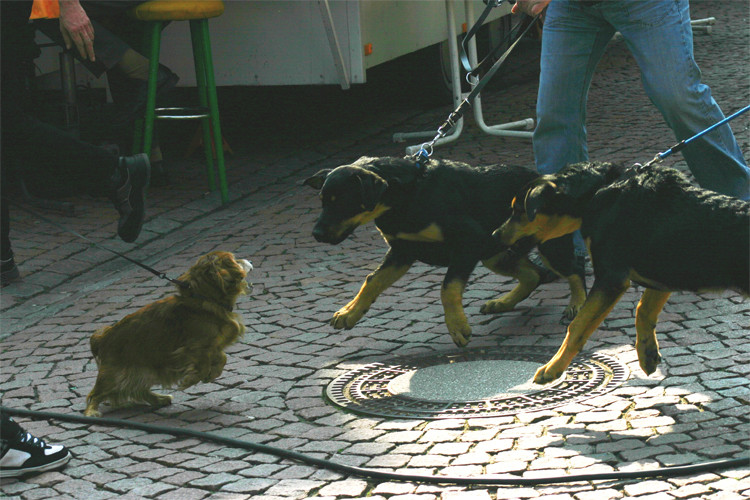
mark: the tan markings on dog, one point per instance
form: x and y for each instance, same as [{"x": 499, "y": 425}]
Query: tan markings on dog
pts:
[
  {"x": 509, "y": 232},
  {"x": 596, "y": 307},
  {"x": 577, "y": 296},
  {"x": 528, "y": 280},
  {"x": 365, "y": 217},
  {"x": 361, "y": 218},
  {"x": 432, "y": 233},
  {"x": 451, "y": 295},
  {"x": 646, "y": 315},
  {"x": 543, "y": 227},
  {"x": 375, "y": 283},
  {"x": 547, "y": 227}
]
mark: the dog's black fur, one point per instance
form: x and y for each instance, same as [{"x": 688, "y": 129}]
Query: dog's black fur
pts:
[
  {"x": 442, "y": 216},
  {"x": 648, "y": 225}
]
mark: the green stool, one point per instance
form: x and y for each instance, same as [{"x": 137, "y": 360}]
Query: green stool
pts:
[{"x": 197, "y": 12}]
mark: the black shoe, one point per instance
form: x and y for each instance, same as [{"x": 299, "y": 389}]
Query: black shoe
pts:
[
  {"x": 8, "y": 271},
  {"x": 159, "y": 174},
  {"x": 130, "y": 198},
  {"x": 130, "y": 94},
  {"x": 22, "y": 454}
]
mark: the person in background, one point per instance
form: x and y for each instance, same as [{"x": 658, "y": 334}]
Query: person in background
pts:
[
  {"x": 103, "y": 36},
  {"x": 47, "y": 158}
]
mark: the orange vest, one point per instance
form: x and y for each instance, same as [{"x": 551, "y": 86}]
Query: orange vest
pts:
[{"x": 45, "y": 9}]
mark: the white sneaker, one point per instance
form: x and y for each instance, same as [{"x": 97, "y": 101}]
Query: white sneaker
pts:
[{"x": 22, "y": 454}]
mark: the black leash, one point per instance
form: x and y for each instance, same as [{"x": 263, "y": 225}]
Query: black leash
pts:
[
  {"x": 464, "y": 55},
  {"x": 423, "y": 155},
  {"x": 153, "y": 271}
]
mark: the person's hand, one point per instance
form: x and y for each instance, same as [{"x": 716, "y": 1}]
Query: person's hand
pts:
[
  {"x": 530, "y": 7},
  {"x": 76, "y": 28}
]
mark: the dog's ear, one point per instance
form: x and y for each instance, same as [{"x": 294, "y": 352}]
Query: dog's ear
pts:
[
  {"x": 537, "y": 197},
  {"x": 317, "y": 180},
  {"x": 372, "y": 187},
  {"x": 225, "y": 272}
]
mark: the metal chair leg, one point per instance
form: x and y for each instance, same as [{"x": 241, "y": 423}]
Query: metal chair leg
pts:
[
  {"x": 153, "y": 70},
  {"x": 213, "y": 106},
  {"x": 200, "y": 77}
]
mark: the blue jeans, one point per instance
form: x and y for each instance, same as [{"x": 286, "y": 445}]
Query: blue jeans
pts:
[{"x": 658, "y": 34}]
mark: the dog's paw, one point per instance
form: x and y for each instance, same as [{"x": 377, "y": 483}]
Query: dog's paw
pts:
[
  {"x": 164, "y": 400},
  {"x": 92, "y": 412},
  {"x": 649, "y": 359},
  {"x": 496, "y": 306},
  {"x": 157, "y": 400},
  {"x": 460, "y": 332},
  {"x": 213, "y": 375},
  {"x": 346, "y": 318},
  {"x": 547, "y": 374},
  {"x": 216, "y": 368},
  {"x": 569, "y": 313}
]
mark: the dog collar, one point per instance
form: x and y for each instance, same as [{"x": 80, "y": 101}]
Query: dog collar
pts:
[{"x": 186, "y": 286}]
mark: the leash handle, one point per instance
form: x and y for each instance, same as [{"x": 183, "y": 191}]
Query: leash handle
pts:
[
  {"x": 464, "y": 57},
  {"x": 496, "y": 66}
]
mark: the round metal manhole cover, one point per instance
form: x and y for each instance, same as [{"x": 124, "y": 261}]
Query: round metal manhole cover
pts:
[{"x": 471, "y": 383}]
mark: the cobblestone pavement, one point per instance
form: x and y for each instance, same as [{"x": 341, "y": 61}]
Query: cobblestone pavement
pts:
[{"x": 693, "y": 409}]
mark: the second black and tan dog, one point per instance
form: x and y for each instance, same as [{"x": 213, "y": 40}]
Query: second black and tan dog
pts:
[
  {"x": 441, "y": 216},
  {"x": 647, "y": 225}
]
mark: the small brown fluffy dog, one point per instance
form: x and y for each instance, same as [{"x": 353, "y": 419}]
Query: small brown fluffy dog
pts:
[{"x": 177, "y": 341}]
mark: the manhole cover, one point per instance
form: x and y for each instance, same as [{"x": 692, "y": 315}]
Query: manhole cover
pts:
[{"x": 471, "y": 383}]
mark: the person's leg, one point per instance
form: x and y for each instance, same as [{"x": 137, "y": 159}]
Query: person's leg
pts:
[
  {"x": 659, "y": 35},
  {"x": 574, "y": 40},
  {"x": 45, "y": 155},
  {"x": 108, "y": 47},
  {"x": 575, "y": 37},
  {"x": 8, "y": 269},
  {"x": 50, "y": 159},
  {"x": 117, "y": 41},
  {"x": 21, "y": 453}
]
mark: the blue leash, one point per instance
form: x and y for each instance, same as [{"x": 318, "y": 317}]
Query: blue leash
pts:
[{"x": 680, "y": 145}]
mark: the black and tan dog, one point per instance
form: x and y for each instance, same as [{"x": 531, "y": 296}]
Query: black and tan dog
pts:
[
  {"x": 441, "y": 216},
  {"x": 648, "y": 225}
]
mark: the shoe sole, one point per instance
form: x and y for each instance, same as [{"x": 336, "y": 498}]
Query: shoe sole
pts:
[
  {"x": 10, "y": 276},
  {"x": 9, "y": 473},
  {"x": 137, "y": 197}
]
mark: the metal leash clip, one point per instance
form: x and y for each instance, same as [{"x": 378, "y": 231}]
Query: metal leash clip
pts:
[{"x": 422, "y": 156}]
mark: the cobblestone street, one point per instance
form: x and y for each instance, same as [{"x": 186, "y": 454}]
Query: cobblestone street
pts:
[{"x": 695, "y": 408}]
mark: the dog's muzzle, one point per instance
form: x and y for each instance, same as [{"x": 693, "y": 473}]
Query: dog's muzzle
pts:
[
  {"x": 246, "y": 265},
  {"x": 327, "y": 235}
]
